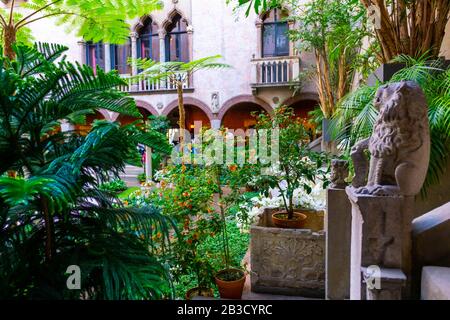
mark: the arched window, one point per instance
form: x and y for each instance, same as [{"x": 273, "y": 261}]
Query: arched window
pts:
[
  {"x": 95, "y": 55},
  {"x": 119, "y": 57},
  {"x": 148, "y": 41},
  {"x": 177, "y": 43},
  {"x": 275, "y": 34}
]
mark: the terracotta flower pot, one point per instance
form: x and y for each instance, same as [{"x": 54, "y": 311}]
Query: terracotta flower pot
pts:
[
  {"x": 230, "y": 289},
  {"x": 199, "y": 292},
  {"x": 280, "y": 220}
]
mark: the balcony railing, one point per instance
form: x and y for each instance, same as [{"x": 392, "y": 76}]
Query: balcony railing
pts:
[
  {"x": 276, "y": 71},
  {"x": 147, "y": 84}
]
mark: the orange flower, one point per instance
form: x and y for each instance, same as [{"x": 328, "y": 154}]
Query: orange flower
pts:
[
  {"x": 185, "y": 194},
  {"x": 189, "y": 241},
  {"x": 233, "y": 167}
]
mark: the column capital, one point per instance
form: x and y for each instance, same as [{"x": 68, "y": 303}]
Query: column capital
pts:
[
  {"x": 81, "y": 42},
  {"x": 134, "y": 35},
  {"x": 259, "y": 22},
  {"x": 162, "y": 33},
  {"x": 190, "y": 29}
]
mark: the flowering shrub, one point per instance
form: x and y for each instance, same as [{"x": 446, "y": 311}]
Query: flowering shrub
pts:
[{"x": 186, "y": 195}]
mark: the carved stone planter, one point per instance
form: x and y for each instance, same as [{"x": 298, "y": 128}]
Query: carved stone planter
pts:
[{"x": 288, "y": 261}]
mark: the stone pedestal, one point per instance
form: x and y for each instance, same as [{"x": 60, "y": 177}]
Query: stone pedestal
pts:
[
  {"x": 380, "y": 237},
  {"x": 338, "y": 223}
]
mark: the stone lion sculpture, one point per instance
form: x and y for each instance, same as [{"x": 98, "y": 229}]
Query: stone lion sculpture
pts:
[
  {"x": 339, "y": 172},
  {"x": 399, "y": 146}
]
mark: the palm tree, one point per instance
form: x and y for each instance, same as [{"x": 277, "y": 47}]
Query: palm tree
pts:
[
  {"x": 356, "y": 114},
  {"x": 53, "y": 214},
  {"x": 92, "y": 19},
  {"x": 177, "y": 73}
]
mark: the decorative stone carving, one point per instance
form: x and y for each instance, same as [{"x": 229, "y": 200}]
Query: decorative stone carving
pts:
[
  {"x": 339, "y": 172},
  {"x": 287, "y": 261},
  {"x": 190, "y": 28},
  {"x": 160, "y": 105},
  {"x": 215, "y": 105},
  {"x": 399, "y": 145}
]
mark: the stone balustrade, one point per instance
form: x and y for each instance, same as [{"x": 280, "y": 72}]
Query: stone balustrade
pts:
[
  {"x": 145, "y": 83},
  {"x": 275, "y": 71}
]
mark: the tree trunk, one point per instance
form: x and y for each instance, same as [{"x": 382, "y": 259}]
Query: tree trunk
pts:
[
  {"x": 411, "y": 27},
  {"x": 182, "y": 118},
  {"x": 49, "y": 231},
  {"x": 9, "y": 38}
]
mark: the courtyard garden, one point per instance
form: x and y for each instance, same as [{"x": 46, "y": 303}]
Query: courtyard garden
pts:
[{"x": 218, "y": 210}]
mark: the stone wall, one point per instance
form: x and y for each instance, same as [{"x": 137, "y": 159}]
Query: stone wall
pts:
[{"x": 437, "y": 195}]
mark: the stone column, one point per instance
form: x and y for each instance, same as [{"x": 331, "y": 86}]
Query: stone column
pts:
[
  {"x": 107, "y": 57},
  {"x": 215, "y": 124},
  {"x": 381, "y": 241},
  {"x": 259, "y": 39},
  {"x": 162, "y": 54},
  {"x": 133, "y": 37},
  {"x": 162, "y": 45},
  {"x": 133, "y": 85},
  {"x": 291, "y": 26},
  {"x": 338, "y": 235},
  {"x": 190, "y": 32},
  {"x": 148, "y": 164},
  {"x": 82, "y": 46}
]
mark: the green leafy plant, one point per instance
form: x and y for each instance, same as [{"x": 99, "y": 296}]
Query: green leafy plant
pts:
[
  {"x": 94, "y": 20},
  {"x": 142, "y": 177},
  {"x": 52, "y": 212},
  {"x": 115, "y": 186}
]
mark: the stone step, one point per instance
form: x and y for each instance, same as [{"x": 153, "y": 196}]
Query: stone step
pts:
[
  {"x": 435, "y": 283},
  {"x": 130, "y": 175},
  {"x": 430, "y": 237}
]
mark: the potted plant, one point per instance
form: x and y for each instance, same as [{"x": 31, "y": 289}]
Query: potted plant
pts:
[
  {"x": 230, "y": 280},
  {"x": 297, "y": 167}
]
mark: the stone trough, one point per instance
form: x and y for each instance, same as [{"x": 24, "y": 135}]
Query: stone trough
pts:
[{"x": 288, "y": 261}]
